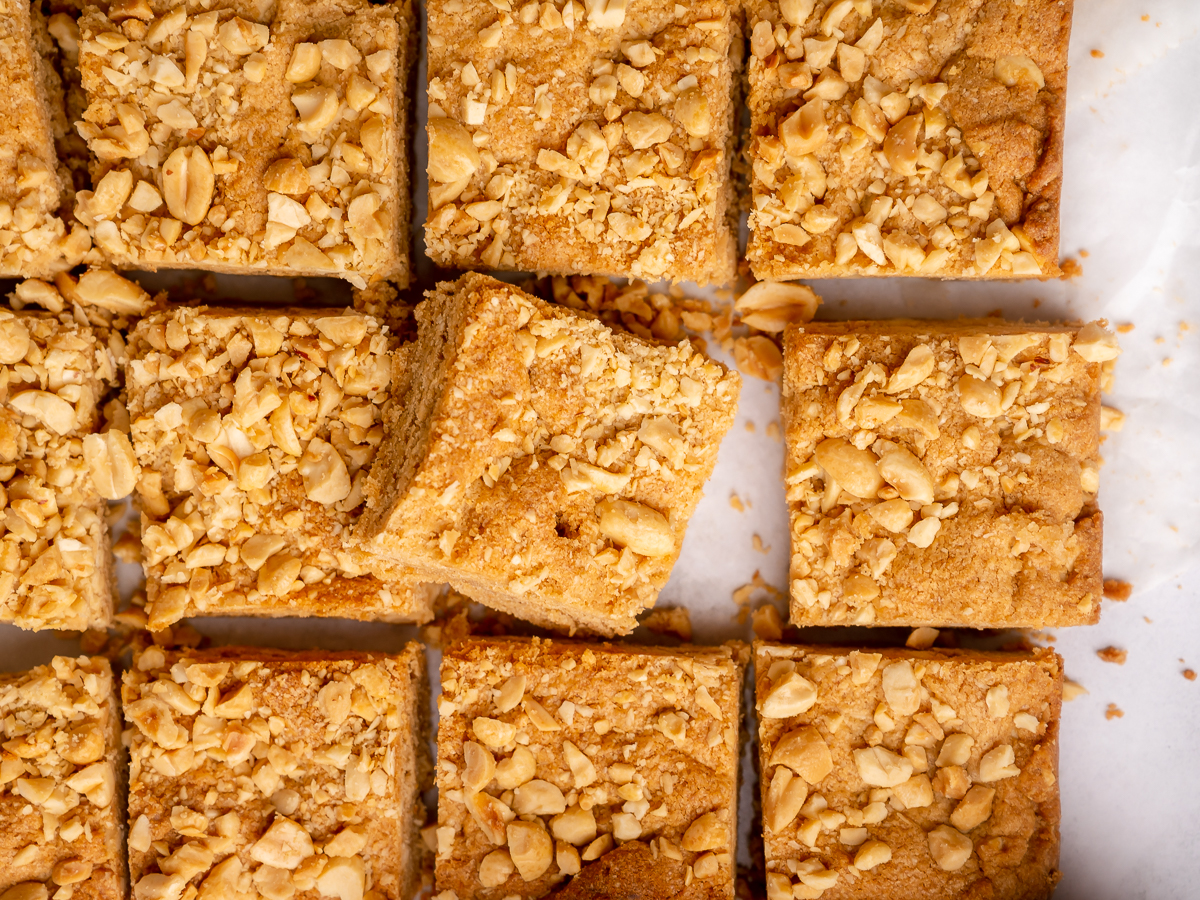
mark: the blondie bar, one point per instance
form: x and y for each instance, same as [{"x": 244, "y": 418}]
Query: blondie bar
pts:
[
  {"x": 35, "y": 241},
  {"x": 902, "y": 773},
  {"x": 247, "y": 138},
  {"x": 944, "y": 473},
  {"x": 60, "y": 783},
  {"x": 908, "y": 137},
  {"x": 541, "y": 462},
  {"x": 55, "y": 566},
  {"x": 584, "y": 138},
  {"x": 552, "y": 754},
  {"x": 255, "y": 431},
  {"x": 276, "y": 774}
]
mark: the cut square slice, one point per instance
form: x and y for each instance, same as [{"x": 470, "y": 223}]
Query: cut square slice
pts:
[
  {"x": 55, "y": 566},
  {"x": 255, "y": 430},
  {"x": 540, "y": 461},
  {"x": 63, "y": 774},
  {"x": 944, "y": 474},
  {"x": 295, "y": 774},
  {"x": 551, "y": 754},
  {"x": 907, "y": 137},
  {"x": 250, "y": 138},
  {"x": 903, "y": 773},
  {"x": 34, "y": 240},
  {"x": 584, "y": 138}
]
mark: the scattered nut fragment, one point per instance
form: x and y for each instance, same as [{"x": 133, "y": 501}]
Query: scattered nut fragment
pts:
[
  {"x": 452, "y": 153},
  {"x": 1113, "y": 655},
  {"x": 643, "y": 530},
  {"x": 922, "y": 638},
  {"x": 805, "y": 752},
  {"x": 530, "y": 847},
  {"x": 880, "y": 767},
  {"x": 791, "y": 695},
  {"x": 855, "y": 470},
  {"x": 495, "y": 868},
  {"x": 1072, "y": 690},
  {"x": 1117, "y": 590},
  {"x": 112, "y": 464},
  {"x": 872, "y": 854},
  {"x": 949, "y": 848},
  {"x": 188, "y": 184},
  {"x": 492, "y": 732},
  {"x": 974, "y": 809},
  {"x": 772, "y": 306},
  {"x": 997, "y": 764},
  {"x": 706, "y": 833},
  {"x": 785, "y": 797}
]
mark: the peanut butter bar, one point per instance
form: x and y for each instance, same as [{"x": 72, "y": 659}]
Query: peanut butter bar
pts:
[
  {"x": 541, "y": 462},
  {"x": 552, "y": 754},
  {"x": 35, "y": 241},
  {"x": 944, "y": 474},
  {"x": 903, "y": 773},
  {"x": 59, "y": 804},
  {"x": 590, "y": 138},
  {"x": 247, "y": 138},
  {"x": 268, "y": 773},
  {"x": 255, "y": 431},
  {"x": 55, "y": 566},
  {"x": 906, "y": 137}
]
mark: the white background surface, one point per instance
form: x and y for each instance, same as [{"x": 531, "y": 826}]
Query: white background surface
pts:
[{"x": 1131, "y": 199}]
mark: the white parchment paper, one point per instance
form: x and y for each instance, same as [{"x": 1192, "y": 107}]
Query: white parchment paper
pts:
[{"x": 1131, "y": 203}]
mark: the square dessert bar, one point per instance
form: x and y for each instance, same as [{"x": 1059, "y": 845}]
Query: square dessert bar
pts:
[
  {"x": 34, "y": 239},
  {"x": 552, "y": 754},
  {"x": 55, "y": 566},
  {"x": 944, "y": 473},
  {"x": 250, "y": 137},
  {"x": 255, "y": 431},
  {"x": 903, "y": 773},
  {"x": 268, "y": 773},
  {"x": 60, "y": 807},
  {"x": 587, "y": 138},
  {"x": 908, "y": 137},
  {"x": 541, "y": 462}
]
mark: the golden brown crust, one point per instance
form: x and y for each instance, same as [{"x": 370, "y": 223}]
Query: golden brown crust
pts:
[
  {"x": 565, "y": 458},
  {"x": 262, "y": 159},
  {"x": 255, "y": 431},
  {"x": 294, "y": 772},
  {"x": 977, "y": 444},
  {"x": 957, "y": 106},
  {"x": 595, "y": 153},
  {"x": 61, "y": 800},
  {"x": 933, "y": 773},
  {"x": 593, "y": 741},
  {"x": 633, "y": 871},
  {"x": 34, "y": 241},
  {"x": 55, "y": 564}
]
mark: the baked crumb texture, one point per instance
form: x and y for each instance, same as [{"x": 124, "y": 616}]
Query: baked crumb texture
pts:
[
  {"x": 55, "y": 565},
  {"x": 550, "y": 755},
  {"x": 248, "y": 137},
  {"x": 59, "y": 797},
  {"x": 944, "y": 474},
  {"x": 255, "y": 432},
  {"x": 35, "y": 240},
  {"x": 908, "y": 773},
  {"x": 266, "y": 773},
  {"x": 589, "y": 138},
  {"x": 541, "y": 462},
  {"x": 907, "y": 137}
]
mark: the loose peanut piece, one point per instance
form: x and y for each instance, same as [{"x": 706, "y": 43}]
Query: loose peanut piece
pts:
[
  {"x": 188, "y": 184},
  {"x": 493, "y": 732},
  {"x": 872, "y": 854},
  {"x": 784, "y": 798},
  {"x": 974, "y": 809},
  {"x": 791, "y": 695},
  {"x": 516, "y": 770},
  {"x": 854, "y": 470},
  {"x": 772, "y": 306},
  {"x": 907, "y": 474},
  {"x": 643, "y": 530},
  {"x": 880, "y": 767},
  {"x": 901, "y": 688},
  {"x": 112, "y": 464},
  {"x": 495, "y": 868},
  {"x": 805, "y": 752},
  {"x": 452, "y": 153},
  {"x": 479, "y": 766},
  {"x": 531, "y": 849},
  {"x": 705, "y": 833},
  {"x": 956, "y": 750},
  {"x": 997, "y": 764},
  {"x": 949, "y": 848}
]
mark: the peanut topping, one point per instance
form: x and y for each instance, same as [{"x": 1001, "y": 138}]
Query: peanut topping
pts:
[
  {"x": 791, "y": 696},
  {"x": 949, "y": 848},
  {"x": 805, "y": 752}
]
